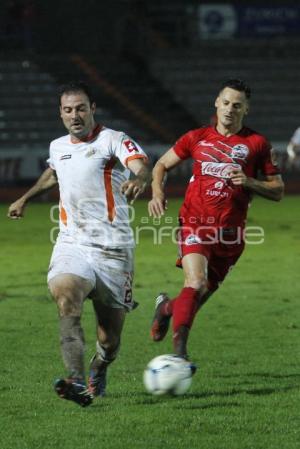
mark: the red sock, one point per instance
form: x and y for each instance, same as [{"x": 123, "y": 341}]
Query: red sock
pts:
[{"x": 184, "y": 308}]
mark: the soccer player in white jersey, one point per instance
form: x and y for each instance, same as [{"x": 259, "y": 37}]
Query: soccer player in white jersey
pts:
[{"x": 93, "y": 255}]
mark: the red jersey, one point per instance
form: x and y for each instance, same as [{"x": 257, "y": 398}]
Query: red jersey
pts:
[{"x": 211, "y": 199}]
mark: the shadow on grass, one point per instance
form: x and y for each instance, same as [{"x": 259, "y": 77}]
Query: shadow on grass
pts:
[
  {"x": 275, "y": 376},
  {"x": 259, "y": 391},
  {"x": 30, "y": 284},
  {"x": 182, "y": 402},
  {"x": 3, "y": 296},
  {"x": 142, "y": 398},
  {"x": 187, "y": 406},
  {"x": 26, "y": 285},
  {"x": 263, "y": 375},
  {"x": 7, "y": 296}
]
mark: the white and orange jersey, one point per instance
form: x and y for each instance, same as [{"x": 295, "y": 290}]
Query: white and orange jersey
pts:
[{"x": 93, "y": 211}]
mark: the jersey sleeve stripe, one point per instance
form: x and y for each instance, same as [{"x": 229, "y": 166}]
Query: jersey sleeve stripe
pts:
[
  {"x": 111, "y": 211},
  {"x": 135, "y": 156},
  {"x": 63, "y": 214}
]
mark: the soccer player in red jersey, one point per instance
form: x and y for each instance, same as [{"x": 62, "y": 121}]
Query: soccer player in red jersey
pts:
[{"x": 228, "y": 158}]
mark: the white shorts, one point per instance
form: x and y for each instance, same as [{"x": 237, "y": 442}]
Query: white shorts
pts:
[{"x": 110, "y": 271}]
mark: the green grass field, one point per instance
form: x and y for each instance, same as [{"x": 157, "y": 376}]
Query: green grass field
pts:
[{"x": 246, "y": 342}]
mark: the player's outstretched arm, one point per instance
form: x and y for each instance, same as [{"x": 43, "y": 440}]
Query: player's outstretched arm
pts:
[
  {"x": 46, "y": 181},
  {"x": 158, "y": 204},
  {"x": 133, "y": 188},
  {"x": 271, "y": 188}
]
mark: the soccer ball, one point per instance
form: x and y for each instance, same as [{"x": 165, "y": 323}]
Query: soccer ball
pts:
[{"x": 168, "y": 374}]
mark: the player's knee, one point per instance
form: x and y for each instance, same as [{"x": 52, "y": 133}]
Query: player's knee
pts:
[
  {"x": 110, "y": 342},
  {"x": 67, "y": 306},
  {"x": 196, "y": 281},
  {"x": 68, "y": 303},
  {"x": 108, "y": 348}
]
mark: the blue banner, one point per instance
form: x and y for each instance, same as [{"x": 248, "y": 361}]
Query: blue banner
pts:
[
  {"x": 268, "y": 21},
  {"x": 223, "y": 20}
]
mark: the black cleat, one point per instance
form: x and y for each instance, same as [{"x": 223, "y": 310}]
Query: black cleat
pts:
[
  {"x": 160, "y": 323},
  {"x": 73, "y": 390}
]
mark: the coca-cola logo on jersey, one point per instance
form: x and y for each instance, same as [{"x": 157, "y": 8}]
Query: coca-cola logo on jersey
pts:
[{"x": 219, "y": 169}]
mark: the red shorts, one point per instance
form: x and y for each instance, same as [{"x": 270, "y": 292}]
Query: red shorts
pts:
[{"x": 222, "y": 248}]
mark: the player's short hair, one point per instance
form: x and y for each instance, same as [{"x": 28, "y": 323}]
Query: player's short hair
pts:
[
  {"x": 237, "y": 84},
  {"x": 75, "y": 87}
]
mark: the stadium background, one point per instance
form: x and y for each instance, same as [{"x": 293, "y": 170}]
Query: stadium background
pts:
[{"x": 155, "y": 67}]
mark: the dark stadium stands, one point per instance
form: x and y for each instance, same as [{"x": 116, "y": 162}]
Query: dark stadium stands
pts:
[
  {"x": 28, "y": 111},
  {"x": 29, "y": 105},
  {"x": 153, "y": 75},
  {"x": 193, "y": 77}
]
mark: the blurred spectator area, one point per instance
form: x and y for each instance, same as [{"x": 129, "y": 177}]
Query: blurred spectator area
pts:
[
  {"x": 194, "y": 76},
  {"x": 155, "y": 68}
]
